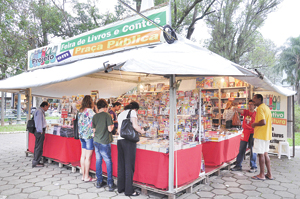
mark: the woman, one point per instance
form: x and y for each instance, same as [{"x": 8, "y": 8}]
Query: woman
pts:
[
  {"x": 126, "y": 152},
  {"x": 102, "y": 126},
  {"x": 116, "y": 107},
  {"x": 228, "y": 114},
  {"x": 86, "y": 135}
]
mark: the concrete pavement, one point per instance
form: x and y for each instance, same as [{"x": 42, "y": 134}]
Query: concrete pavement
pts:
[{"x": 19, "y": 180}]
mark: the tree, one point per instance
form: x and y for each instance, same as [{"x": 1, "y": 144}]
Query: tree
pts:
[
  {"x": 185, "y": 14},
  {"x": 234, "y": 28},
  {"x": 289, "y": 62},
  {"x": 263, "y": 58}
]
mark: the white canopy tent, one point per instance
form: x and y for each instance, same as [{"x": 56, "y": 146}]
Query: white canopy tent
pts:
[{"x": 183, "y": 59}]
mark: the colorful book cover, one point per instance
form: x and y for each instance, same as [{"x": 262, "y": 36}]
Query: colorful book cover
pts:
[
  {"x": 239, "y": 83},
  {"x": 160, "y": 86},
  {"x": 217, "y": 83},
  {"x": 231, "y": 82},
  {"x": 226, "y": 82},
  {"x": 200, "y": 81},
  {"x": 208, "y": 82}
]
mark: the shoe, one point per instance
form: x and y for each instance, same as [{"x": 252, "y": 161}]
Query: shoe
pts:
[
  {"x": 100, "y": 184},
  {"x": 134, "y": 194},
  {"x": 236, "y": 169},
  {"x": 252, "y": 170},
  {"x": 37, "y": 165},
  {"x": 111, "y": 187},
  {"x": 90, "y": 180}
]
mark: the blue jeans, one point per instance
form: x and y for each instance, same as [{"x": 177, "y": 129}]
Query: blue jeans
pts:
[
  {"x": 103, "y": 151},
  {"x": 242, "y": 151}
]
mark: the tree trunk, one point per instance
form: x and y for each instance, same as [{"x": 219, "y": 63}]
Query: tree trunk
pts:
[{"x": 2, "y": 108}]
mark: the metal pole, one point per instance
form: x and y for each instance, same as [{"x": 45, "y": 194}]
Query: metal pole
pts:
[
  {"x": 29, "y": 97},
  {"x": 200, "y": 115},
  {"x": 171, "y": 132},
  {"x": 293, "y": 123},
  {"x": 2, "y": 109},
  {"x": 19, "y": 109}
]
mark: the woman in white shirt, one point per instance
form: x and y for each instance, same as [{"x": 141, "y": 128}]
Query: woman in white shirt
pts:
[{"x": 126, "y": 152}]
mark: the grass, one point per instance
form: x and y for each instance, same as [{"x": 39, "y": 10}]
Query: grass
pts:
[
  {"x": 12, "y": 128},
  {"x": 297, "y": 140},
  {"x": 52, "y": 118}
]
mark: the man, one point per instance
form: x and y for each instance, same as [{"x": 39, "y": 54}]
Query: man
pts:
[
  {"x": 102, "y": 125},
  {"x": 247, "y": 138},
  {"x": 262, "y": 136},
  {"x": 39, "y": 133}
]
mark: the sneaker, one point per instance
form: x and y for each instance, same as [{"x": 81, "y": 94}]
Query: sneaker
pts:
[
  {"x": 236, "y": 168},
  {"x": 111, "y": 187},
  {"x": 100, "y": 184},
  {"x": 252, "y": 170}
]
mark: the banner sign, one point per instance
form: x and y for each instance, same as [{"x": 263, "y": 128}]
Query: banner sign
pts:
[
  {"x": 278, "y": 105},
  {"x": 129, "y": 33}
]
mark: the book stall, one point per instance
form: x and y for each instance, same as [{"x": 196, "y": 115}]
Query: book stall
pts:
[{"x": 180, "y": 86}]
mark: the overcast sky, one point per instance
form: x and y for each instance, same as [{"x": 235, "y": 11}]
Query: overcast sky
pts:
[{"x": 280, "y": 25}]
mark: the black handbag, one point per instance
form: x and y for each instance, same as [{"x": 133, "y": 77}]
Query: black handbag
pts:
[
  {"x": 31, "y": 125},
  {"x": 75, "y": 122},
  {"x": 127, "y": 130}
]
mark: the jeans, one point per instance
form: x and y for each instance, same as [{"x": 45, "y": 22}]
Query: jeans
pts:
[
  {"x": 243, "y": 147},
  {"x": 103, "y": 151}
]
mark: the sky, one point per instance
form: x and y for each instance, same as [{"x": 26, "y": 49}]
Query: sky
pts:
[{"x": 279, "y": 26}]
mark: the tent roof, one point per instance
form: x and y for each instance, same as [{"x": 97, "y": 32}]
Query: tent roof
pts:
[{"x": 153, "y": 64}]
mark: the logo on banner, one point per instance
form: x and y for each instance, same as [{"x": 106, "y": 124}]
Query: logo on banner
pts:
[
  {"x": 277, "y": 121},
  {"x": 42, "y": 56},
  {"x": 277, "y": 114}
]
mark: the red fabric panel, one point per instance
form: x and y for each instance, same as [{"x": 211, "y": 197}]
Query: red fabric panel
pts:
[
  {"x": 213, "y": 153},
  {"x": 216, "y": 153},
  {"x": 31, "y": 142},
  {"x": 189, "y": 164},
  {"x": 65, "y": 150},
  {"x": 232, "y": 146},
  {"x": 151, "y": 168}
]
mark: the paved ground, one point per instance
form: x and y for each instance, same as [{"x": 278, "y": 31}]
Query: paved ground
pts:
[{"x": 19, "y": 180}]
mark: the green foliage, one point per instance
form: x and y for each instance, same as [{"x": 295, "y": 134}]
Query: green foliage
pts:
[
  {"x": 297, "y": 118},
  {"x": 297, "y": 140},
  {"x": 234, "y": 27},
  {"x": 13, "y": 128}
]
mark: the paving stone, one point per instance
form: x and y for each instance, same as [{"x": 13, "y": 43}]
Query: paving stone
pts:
[
  {"x": 35, "y": 180},
  {"x": 260, "y": 184},
  {"x": 3, "y": 182},
  {"x": 205, "y": 194},
  {"x": 231, "y": 184},
  {"x": 277, "y": 188},
  {"x": 218, "y": 180},
  {"x": 284, "y": 194},
  {"x": 18, "y": 196},
  {"x": 265, "y": 190},
  {"x": 270, "y": 196},
  {"x": 5, "y": 187},
  {"x": 49, "y": 197},
  {"x": 237, "y": 195},
  {"x": 11, "y": 178},
  {"x": 68, "y": 186},
  {"x": 50, "y": 187},
  {"x": 248, "y": 187},
  {"x": 38, "y": 194},
  {"x": 31, "y": 189},
  {"x": 252, "y": 193},
  {"x": 222, "y": 197},
  {"x": 289, "y": 185},
  {"x": 218, "y": 186},
  {"x": 86, "y": 185},
  {"x": 16, "y": 182},
  {"x": 28, "y": 177},
  {"x": 244, "y": 181},
  {"x": 229, "y": 179},
  {"x": 220, "y": 191},
  {"x": 89, "y": 195},
  {"x": 294, "y": 191},
  {"x": 11, "y": 191},
  {"x": 203, "y": 187},
  {"x": 77, "y": 191},
  {"x": 96, "y": 190},
  {"x": 58, "y": 192},
  {"x": 44, "y": 183},
  {"x": 24, "y": 185},
  {"x": 234, "y": 190}
]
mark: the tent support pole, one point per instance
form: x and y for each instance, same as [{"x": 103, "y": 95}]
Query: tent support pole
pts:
[
  {"x": 171, "y": 132},
  {"x": 29, "y": 97}
]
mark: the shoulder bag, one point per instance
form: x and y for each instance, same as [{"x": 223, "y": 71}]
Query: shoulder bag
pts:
[
  {"x": 31, "y": 125},
  {"x": 75, "y": 122},
  {"x": 127, "y": 130},
  {"x": 236, "y": 119}
]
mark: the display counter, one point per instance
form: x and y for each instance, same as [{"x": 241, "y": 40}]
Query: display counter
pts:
[
  {"x": 151, "y": 167},
  {"x": 217, "y": 153}
]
